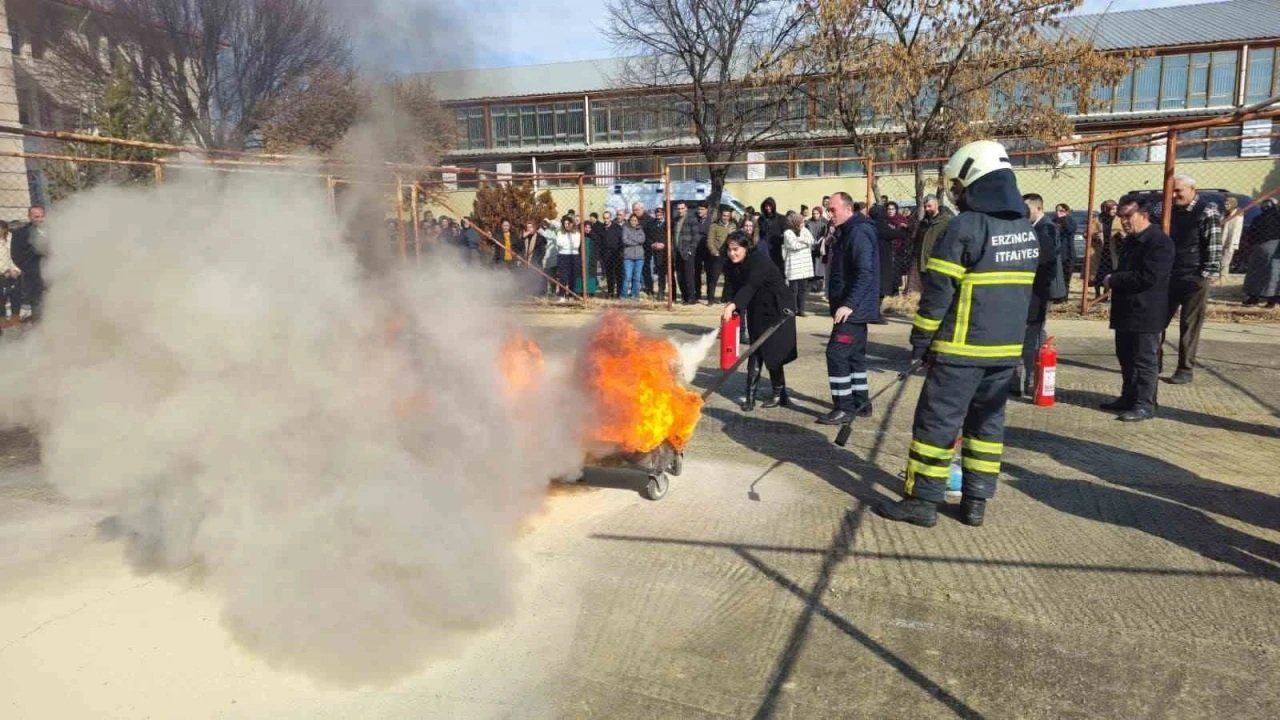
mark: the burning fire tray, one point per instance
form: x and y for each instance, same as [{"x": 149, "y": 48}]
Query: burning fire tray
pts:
[{"x": 657, "y": 465}]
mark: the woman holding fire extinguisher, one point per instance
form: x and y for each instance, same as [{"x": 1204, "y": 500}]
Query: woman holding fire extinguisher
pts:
[{"x": 762, "y": 296}]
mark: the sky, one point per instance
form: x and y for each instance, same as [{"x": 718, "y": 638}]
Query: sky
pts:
[{"x": 424, "y": 35}]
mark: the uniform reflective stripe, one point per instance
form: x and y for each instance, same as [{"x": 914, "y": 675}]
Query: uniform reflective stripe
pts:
[
  {"x": 982, "y": 446},
  {"x": 841, "y": 393},
  {"x": 982, "y": 466},
  {"x": 941, "y": 472},
  {"x": 962, "y": 314},
  {"x": 945, "y": 267},
  {"x": 840, "y": 380},
  {"x": 859, "y": 376},
  {"x": 910, "y": 484},
  {"x": 977, "y": 351},
  {"x": 1010, "y": 277},
  {"x": 864, "y": 386},
  {"x": 926, "y": 324},
  {"x": 930, "y": 451}
]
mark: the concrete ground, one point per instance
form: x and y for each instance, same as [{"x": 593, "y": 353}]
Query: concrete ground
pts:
[{"x": 1124, "y": 572}]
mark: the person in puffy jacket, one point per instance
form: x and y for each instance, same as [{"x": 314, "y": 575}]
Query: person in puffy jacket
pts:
[
  {"x": 632, "y": 258},
  {"x": 969, "y": 330},
  {"x": 797, "y": 257}
]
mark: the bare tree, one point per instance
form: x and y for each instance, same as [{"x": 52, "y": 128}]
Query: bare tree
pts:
[
  {"x": 214, "y": 64},
  {"x": 715, "y": 65},
  {"x": 928, "y": 74}
]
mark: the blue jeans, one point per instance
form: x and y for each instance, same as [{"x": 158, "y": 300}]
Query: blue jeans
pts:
[{"x": 632, "y": 270}]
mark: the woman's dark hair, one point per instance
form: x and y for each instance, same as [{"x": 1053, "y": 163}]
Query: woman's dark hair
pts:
[
  {"x": 891, "y": 204},
  {"x": 1064, "y": 206},
  {"x": 739, "y": 238}
]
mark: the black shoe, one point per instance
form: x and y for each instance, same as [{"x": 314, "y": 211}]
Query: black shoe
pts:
[
  {"x": 1271, "y": 304},
  {"x": 1181, "y": 377},
  {"x": 779, "y": 398},
  {"x": 1117, "y": 405},
  {"x": 754, "y": 368},
  {"x": 1250, "y": 301},
  {"x": 973, "y": 511},
  {"x": 1015, "y": 388},
  {"x": 864, "y": 410},
  {"x": 836, "y": 417},
  {"x": 1136, "y": 415},
  {"x": 909, "y": 510}
]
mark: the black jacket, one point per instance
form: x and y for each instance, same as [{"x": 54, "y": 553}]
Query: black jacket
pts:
[
  {"x": 1049, "y": 262},
  {"x": 1067, "y": 243},
  {"x": 977, "y": 286},
  {"x": 612, "y": 240},
  {"x": 1140, "y": 288},
  {"x": 853, "y": 275},
  {"x": 770, "y": 227},
  {"x": 761, "y": 294},
  {"x": 27, "y": 254}
]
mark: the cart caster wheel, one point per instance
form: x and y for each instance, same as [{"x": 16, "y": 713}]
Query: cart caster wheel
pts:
[
  {"x": 657, "y": 486},
  {"x": 677, "y": 464}
]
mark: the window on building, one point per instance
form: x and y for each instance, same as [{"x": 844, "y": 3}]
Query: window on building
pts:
[
  {"x": 1196, "y": 145},
  {"x": 470, "y": 127},
  {"x": 1198, "y": 81},
  {"x": 775, "y": 167},
  {"x": 1260, "y": 75},
  {"x": 638, "y": 119},
  {"x": 560, "y": 123},
  {"x": 828, "y": 162},
  {"x": 1222, "y": 78},
  {"x": 1173, "y": 82}
]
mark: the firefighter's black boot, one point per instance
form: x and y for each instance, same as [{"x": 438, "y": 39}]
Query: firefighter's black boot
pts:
[
  {"x": 973, "y": 511},
  {"x": 754, "y": 366},
  {"x": 779, "y": 397},
  {"x": 910, "y": 510}
]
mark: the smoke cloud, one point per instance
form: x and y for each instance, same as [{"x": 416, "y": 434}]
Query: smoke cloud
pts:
[{"x": 335, "y": 452}]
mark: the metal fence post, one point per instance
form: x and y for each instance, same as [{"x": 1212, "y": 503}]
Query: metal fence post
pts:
[
  {"x": 1170, "y": 163},
  {"x": 871, "y": 179},
  {"x": 666, "y": 201},
  {"x": 582, "y": 234},
  {"x": 404, "y": 252},
  {"x": 1089, "y": 222},
  {"x": 158, "y": 171},
  {"x": 417, "y": 236}
]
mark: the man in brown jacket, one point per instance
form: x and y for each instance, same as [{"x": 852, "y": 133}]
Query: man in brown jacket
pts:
[{"x": 717, "y": 235}]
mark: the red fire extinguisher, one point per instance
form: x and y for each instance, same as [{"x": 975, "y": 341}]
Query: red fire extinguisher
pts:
[
  {"x": 729, "y": 341},
  {"x": 1046, "y": 374}
]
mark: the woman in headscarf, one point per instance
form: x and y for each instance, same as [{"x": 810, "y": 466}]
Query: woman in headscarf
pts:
[{"x": 762, "y": 296}]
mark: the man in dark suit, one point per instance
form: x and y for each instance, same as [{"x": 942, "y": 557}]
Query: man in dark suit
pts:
[
  {"x": 1139, "y": 308},
  {"x": 30, "y": 243}
]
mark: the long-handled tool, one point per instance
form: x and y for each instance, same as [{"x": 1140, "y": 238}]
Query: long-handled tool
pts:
[
  {"x": 786, "y": 315},
  {"x": 846, "y": 429}
]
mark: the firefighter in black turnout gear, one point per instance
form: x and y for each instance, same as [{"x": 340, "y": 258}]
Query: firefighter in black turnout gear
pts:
[{"x": 969, "y": 330}]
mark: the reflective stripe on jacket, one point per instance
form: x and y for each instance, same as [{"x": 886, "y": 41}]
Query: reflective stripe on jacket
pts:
[{"x": 977, "y": 289}]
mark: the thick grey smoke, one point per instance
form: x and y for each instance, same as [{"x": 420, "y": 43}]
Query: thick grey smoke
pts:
[{"x": 216, "y": 373}]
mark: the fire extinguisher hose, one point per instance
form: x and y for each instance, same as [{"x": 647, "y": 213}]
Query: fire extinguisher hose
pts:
[
  {"x": 755, "y": 345},
  {"x": 842, "y": 437}
]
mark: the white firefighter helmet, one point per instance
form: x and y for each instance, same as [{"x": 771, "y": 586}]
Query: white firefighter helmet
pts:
[{"x": 974, "y": 160}]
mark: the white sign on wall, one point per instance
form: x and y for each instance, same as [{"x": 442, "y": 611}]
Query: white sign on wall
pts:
[
  {"x": 504, "y": 171},
  {"x": 755, "y": 166},
  {"x": 1259, "y": 145}
]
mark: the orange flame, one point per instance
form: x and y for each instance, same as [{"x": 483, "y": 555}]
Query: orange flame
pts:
[
  {"x": 634, "y": 381},
  {"x": 520, "y": 362}
]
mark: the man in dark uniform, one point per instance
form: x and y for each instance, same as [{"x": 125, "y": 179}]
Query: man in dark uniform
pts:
[
  {"x": 1041, "y": 293},
  {"x": 1139, "y": 307},
  {"x": 969, "y": 329},
  {"x": 853, "y": 296}
]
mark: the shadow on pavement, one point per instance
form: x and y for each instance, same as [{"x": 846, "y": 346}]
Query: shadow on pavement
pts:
[{"x": 1091, "y": 400}]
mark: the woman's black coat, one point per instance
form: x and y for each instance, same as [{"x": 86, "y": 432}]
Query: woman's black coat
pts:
[{"x": 761, "y": 294}]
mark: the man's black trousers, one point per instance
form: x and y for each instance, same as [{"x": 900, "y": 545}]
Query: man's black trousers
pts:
[
  {"x": 847, "y": 366},
  {"x": 1139, "y": 356},
  {"x": 958, "y": 400}
]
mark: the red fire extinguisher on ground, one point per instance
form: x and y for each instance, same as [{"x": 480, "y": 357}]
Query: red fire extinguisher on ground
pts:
[
  {"x": 1046, "y": 374},
  {"x": 729, "y": 332}
]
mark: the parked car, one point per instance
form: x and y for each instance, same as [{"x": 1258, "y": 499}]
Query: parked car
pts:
[{"x": 1217, "y": 196}]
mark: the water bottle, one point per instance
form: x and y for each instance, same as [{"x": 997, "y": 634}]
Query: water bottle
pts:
[{"x": 956, "y": 475}]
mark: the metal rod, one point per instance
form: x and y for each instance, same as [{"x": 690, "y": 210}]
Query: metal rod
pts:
[
  {"x": 754, "y": 346},
  {"x": 417, "y": 235},
  {"x": 404, "y": 253},
  {"x": 842, "y": 437}
]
